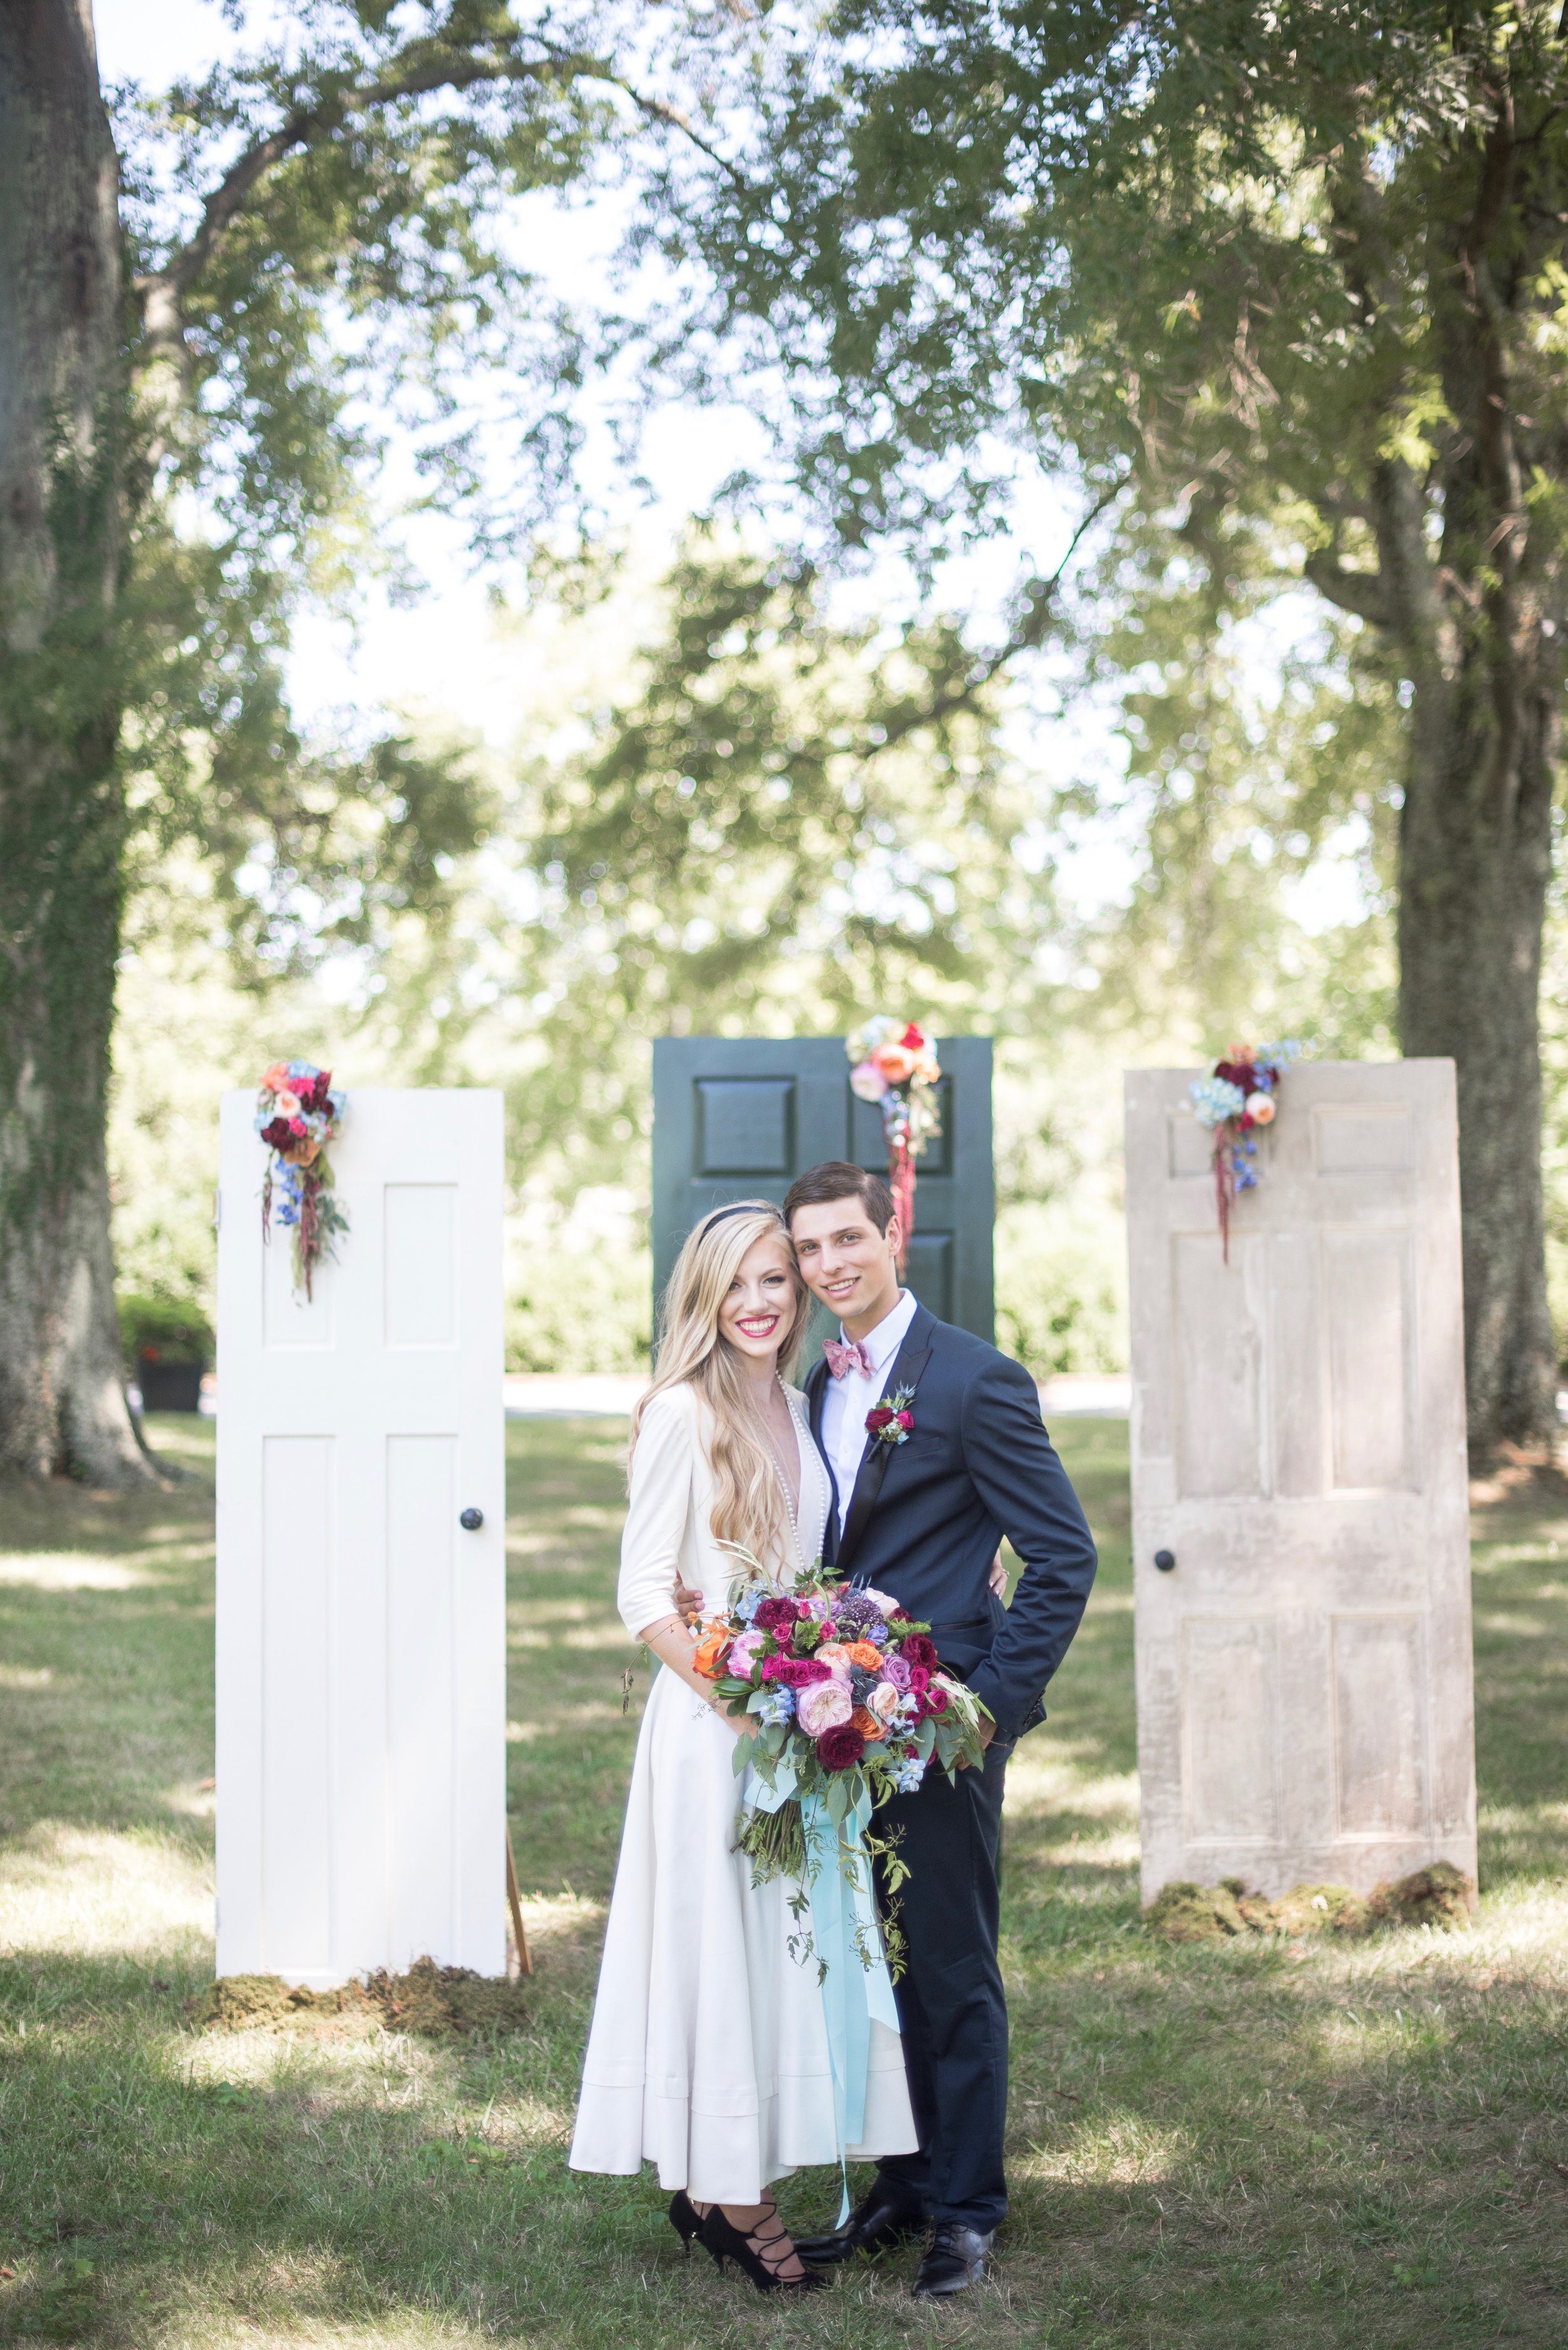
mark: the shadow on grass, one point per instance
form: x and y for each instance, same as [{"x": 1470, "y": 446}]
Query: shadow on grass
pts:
[{"x": 1241, "y": 2149}]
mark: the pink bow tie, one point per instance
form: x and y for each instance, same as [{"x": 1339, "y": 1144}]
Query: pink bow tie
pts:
[{"x": 851, "y": 1356}]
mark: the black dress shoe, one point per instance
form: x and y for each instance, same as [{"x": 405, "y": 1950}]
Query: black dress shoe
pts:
[
  {"x": 879, "y": 2220},
  {"x": 956, "y": 2258}
]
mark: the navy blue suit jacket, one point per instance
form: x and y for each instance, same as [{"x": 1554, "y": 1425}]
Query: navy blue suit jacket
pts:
[{"x": 977, "y": 1464}]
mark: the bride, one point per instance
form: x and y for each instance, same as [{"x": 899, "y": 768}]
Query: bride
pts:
[{"x": 709, "y": 2051}]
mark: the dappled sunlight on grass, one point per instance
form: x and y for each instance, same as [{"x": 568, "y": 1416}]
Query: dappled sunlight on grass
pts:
[
  {"x": 63, "y": 1570},
  {"x": 64, "y": 1888},
  {"x": 1242, "y": 2146}
]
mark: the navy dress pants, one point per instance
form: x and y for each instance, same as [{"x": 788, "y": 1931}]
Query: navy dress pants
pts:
[{"x": 950, "y": 2004}]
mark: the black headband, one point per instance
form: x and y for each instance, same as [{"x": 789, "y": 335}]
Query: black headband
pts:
[{"x": 741, "y": 1208}]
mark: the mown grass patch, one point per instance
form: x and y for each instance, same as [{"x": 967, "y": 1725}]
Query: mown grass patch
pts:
[{"x": 1263, "y": 2143}]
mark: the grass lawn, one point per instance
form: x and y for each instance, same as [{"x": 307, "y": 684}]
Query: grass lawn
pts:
[{"x": 1362, "y": 2144}]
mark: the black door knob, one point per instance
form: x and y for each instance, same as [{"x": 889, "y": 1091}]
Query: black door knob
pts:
[
  {"x": 471, "y": 1519},
  {"x": 1164, "y": 1559}
]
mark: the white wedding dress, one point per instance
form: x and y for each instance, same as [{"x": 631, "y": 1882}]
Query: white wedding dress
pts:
[{"x": 708, "y": 2054}]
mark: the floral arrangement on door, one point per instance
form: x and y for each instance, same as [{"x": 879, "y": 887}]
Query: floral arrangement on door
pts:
[
  {"x": 895, "y": 1064},
  {"x": 297, "y": 1115}
]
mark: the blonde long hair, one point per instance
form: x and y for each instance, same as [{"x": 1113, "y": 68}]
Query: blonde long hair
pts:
[{"x": 748, "y": 1507}]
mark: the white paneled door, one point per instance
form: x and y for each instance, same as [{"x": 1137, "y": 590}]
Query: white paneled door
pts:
[
  {"x": 362, "y": 1623},
  {"x": 1300, "y": 1527}
]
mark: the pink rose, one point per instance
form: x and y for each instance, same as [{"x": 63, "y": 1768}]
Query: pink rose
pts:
[
  {"x": 823, "y": 1707},
  {"x": 884, "y": 1701},
  {"x": 742, "y": 1654},
  {"x": 835, "y": 1656},
  {"x": 881, "y": 1599}
]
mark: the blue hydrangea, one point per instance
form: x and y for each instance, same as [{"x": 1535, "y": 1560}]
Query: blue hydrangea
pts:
[
  {"x": 749, "y": 1602},
  {"x": 1215, "y": 1100},
  {"x": 777, "y": 1705}
]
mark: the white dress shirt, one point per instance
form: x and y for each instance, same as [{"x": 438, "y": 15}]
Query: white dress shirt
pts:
[{"x": 846, "y": 1401}]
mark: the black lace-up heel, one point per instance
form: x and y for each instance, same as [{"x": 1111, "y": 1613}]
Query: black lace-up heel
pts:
[
  {"x": 726, "y": 2242},
  {"x": 685, "y": 2218}
]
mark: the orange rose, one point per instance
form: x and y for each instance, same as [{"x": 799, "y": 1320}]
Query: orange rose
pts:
[
  {"x": 862, "y": 1653},
  {"x": 896, "y": 1062},
  {"x": 711, "y": 1651},
  {"x": 275, "y": 1077},
  {"x": 866, "y": 1723}
]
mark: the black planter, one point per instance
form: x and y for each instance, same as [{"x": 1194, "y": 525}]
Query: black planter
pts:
[{"x": 169, "y": 1386}]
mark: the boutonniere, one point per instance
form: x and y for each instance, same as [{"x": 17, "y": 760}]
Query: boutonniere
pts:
[{"x": 890, "y": 1420}]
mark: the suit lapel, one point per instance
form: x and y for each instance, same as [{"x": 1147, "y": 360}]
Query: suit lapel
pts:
[
  {"x": 815, "y": 1390},
  {"x": 903, "y": 1371}
]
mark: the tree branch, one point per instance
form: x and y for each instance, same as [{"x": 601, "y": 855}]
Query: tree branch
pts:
[
  {"x": 1027, "y": 637},
  {"x": 1361, "y": 592},
  {"x": 425, "y": 66}
]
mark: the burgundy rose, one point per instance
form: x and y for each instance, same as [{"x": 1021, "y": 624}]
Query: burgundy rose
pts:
[
  {"x": 878, "y": 1418},
  {"x": 277, "y": 1136},
  {"x": 840, "y": 1748},
  {"x": 920, "y": 1679},
  {"x": 796, "y": 1672},
  {"x": 778, "y": 1617},
  {"x": 1238, "y": 1073},
  {"x": 936, "y": 1698},
  {"x": 917, "y": 1649}
]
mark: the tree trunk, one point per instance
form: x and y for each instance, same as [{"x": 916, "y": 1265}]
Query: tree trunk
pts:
[
  {"x": 62, "y": 820},
  {"x": 1475, "y": 863}
]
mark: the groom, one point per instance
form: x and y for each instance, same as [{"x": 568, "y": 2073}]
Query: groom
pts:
[{"x": 921, "y": 1520}]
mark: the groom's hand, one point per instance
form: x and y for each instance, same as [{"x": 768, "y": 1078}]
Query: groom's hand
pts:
[
  {"x": 999, "y": 1576},
  {"x": 688, "y": 1603},
  {"x": 987, "y": 1732}
]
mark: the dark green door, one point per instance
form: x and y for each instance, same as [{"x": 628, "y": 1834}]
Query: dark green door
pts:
[{"x": 736, "y": 1119}]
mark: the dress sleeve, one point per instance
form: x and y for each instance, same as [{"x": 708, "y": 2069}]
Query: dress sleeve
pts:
[{"x": 660, "y": 1503}]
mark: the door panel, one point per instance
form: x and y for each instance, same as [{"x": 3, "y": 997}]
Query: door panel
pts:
[
  {"x": 361, "y": 1663},
  {"x": 1304, "y": 1684},
  {"x": 736, "y": 1118},
  {"x": 1379, "y": 1725},
  {"x": 1230, "y": 1707}
]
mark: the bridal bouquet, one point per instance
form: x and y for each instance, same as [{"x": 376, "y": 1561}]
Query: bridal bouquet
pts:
[{"x": 853, "y": 1707}]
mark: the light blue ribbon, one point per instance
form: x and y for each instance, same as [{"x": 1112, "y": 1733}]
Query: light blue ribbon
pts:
[{"x": 844, "y": 1926}]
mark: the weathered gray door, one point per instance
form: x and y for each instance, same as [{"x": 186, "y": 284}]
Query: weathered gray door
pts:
[
  {"x": 736, "y": 1119},
  {"x": 1298, "y": 1448}
]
